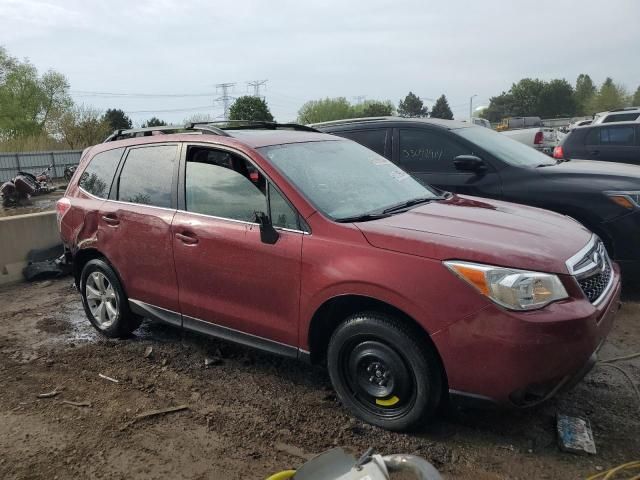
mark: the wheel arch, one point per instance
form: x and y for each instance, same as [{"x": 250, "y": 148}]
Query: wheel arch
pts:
[
  {"x": 84, "y": 256},
  {"x": 337, "y": 309}
]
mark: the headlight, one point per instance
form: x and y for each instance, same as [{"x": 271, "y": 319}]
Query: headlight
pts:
[
  {"x": 513, "y": 289},
  {"x": 629, "y": 199}
]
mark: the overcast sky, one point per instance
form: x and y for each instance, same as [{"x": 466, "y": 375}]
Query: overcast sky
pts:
[{"x": 309, "y": 50}]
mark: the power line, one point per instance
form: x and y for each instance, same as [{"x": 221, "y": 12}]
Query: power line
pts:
[
  {"x": 189, "y": 109},
  {"x": 87, "y": 93}
]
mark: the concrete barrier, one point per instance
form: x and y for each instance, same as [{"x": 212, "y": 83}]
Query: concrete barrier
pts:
[{"x": 19, "y": 234}]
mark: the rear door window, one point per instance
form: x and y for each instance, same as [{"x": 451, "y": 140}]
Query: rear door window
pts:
[
  {"x": 423, "y": 150},
  {"x": 98, "y": 176},
  {"x": 619, "y": 135},
  {"x": 374, "y": 139},
  {"x": 147, "y": 175}
]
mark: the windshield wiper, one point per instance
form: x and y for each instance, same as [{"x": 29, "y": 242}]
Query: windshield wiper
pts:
[
  {"x": 365, "y": 217},
  {"x": 410, "y": 203}
]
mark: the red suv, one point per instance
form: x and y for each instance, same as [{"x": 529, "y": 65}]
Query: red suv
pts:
[{"x": 312, "y": 246}]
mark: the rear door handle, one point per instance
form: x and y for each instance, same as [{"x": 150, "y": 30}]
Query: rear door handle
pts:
[
  {"x": 187, "y": 238},
  {"x": 111, "y": 220},
  {"x": 595, "y": 152}
]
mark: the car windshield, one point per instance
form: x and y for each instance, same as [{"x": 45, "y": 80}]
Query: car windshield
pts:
[
  {"x": 344, "y": 179},
  {"x": 505, "y": 148}
]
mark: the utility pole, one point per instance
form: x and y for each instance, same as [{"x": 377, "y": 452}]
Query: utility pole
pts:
[
  {"x": 225, "y": 98},
  {"x": 359, "y": 98},
  {"x": 256, "y": 84},
  {"x": 471, "y": 107}
]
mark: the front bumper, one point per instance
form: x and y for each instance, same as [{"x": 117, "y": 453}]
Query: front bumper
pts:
[{"x": 522, "y": 358}]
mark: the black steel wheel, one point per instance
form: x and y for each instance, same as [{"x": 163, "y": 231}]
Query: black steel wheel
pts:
[{"x": 383, "y": 372}]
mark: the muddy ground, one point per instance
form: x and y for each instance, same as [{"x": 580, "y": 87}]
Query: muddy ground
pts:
[{"x": 250, "y": 414}]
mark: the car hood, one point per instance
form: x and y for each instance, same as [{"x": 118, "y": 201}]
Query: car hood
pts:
[
  {"x": 481, "y": 230},
  {"x": 595, "y": 170}
]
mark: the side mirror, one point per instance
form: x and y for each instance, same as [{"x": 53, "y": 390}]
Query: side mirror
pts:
[
  {"x": 469, "y": 163},
  {"x": 268, "y": 234}
]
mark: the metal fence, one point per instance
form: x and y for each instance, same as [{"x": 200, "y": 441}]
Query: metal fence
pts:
[{"x": 36, "y": 162}]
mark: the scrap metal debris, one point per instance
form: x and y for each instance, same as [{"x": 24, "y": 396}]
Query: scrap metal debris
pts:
[
  {"x": 77, "y": 404},
  {"x": 575, "y": 435},
  {"x": 153, "y": 413},
  {"x": 108, "y": 378},
  {"x": 51, "y": 394}
]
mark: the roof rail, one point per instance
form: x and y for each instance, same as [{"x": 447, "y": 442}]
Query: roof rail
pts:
[
  {"x": 254, "y": 124},
  {"x": 167, "y": 129}
]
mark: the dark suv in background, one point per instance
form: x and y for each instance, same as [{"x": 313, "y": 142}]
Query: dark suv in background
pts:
[
  {"x": 610, "y": 142},
  {"x": 462, "y": 158}
]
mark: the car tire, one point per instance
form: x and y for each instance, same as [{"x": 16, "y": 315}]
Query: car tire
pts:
[
  {"x": 384, "y": 372},
  {"x": 105, "y": 302}
]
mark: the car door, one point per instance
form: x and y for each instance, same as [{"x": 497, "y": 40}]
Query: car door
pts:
[
  {"x": 429, "y": 153},
  {"x": 614, "y": 143},
  {"x": 135, "y": 227},
  {"x": 233, "y": 285}
]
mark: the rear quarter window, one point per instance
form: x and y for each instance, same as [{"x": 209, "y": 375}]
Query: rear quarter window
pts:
[
  {"x": 374, "y": 139},
  {"x": 98, "y": 176}
]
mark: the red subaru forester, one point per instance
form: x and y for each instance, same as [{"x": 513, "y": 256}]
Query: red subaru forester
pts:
[{"x": 312, "y": 246}]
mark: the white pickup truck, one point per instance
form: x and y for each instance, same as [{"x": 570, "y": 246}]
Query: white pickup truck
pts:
[
  {"x": 541, "y": 138},
  {"x": 529, "y": 130}
]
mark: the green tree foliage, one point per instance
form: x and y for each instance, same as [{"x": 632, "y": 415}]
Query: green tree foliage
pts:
[
  {"x": 557, "y": 99},
  {"x": 585, "y": 90},
  {"x": 325, "y": 110},
  {"x": 154, "y": 122},
  {"x": 412, "y": 106},
  {"x": 610, "y": 95},
  {"x": 29, "y": 103},
  {"x": 199, "y": 117},
  {"x": 117, "y": 119},
  {"x": 499, "y": 107},
  {"x": 441, "y": 109},
  {"x": 82, "y": 126},
  {"x": 250, "y": 108},
  {"x": 533, "y": 97},
  {"x": 635, "y": 101},
  {"x": 373, "y": 108}
]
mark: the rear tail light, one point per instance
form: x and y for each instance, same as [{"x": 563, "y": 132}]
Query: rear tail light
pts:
[
  {"x": 62, "y": 207},
  {"x": 558, "y": 153},
  {"x": 539, "y": 138}
]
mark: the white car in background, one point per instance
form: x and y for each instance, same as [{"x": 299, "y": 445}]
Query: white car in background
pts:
[{"x": 627, "y": 114}]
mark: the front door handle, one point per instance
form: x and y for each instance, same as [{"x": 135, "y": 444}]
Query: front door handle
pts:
[
  {"x": 187, "y": 238},
  {"x": 595, "y": 152},
  {"x": 111, "y": 220}
]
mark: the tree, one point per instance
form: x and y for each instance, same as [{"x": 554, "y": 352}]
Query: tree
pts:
[
  {"x": 441, "y": 109},
  {"x": 82, "y": 126},
  {"x": 609, "y": 96},
  {"x": 373, "y": 108},
  {"x": 412, "y": 106},
  {"x": 635, "y": 101},
  {"x": 499, "y": 107},
  {"x": 29, "y": 103},
  {"x": 585, "y": 90},
  {"x": 154, "y": 122},
  {"x": 325, "y": 110},
  {"x": 250, "y": 108},
  {"x": 557, "y": 99},
  {"x": 117, "y": 119},
  {"x": 199, "y": 117},
  {"x": 526, "y": 96}
]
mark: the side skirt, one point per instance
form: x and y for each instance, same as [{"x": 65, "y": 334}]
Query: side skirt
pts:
[{"x": 212, "y": 330}]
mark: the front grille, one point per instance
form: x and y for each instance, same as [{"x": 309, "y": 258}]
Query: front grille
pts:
[
  {"x": 594, "y": 285},
  {"x": 592, "y": 269}
]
